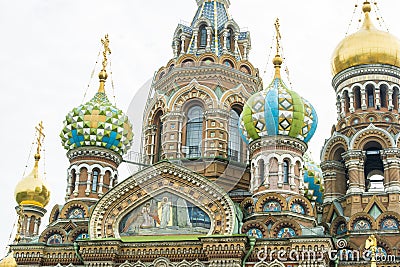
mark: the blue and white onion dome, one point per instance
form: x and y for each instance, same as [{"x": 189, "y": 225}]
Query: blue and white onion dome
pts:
[
  {"x": 97, "y": 123},
  {"x": 277, "y": 110},
  {"x": 313, "y": 180}
]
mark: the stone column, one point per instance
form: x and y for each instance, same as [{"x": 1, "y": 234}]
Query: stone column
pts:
[
  {"x": 301, "y": 185},
  {"x": 351, "y": 97},
  {"x": 101, "y": 183},
  {"x": 28, "y": 223},
  {"x": 245, "y": 51},
  {"x": 183, "y": 38},
  {"x": 280, "y": 175},
  {"x": 225, "y": 47},
  {"x": 391, "y": 163},
  {"x": 88, "y": 183},
  {"x": 377, "y": 98},
  {"x": 195, "y": 36},
  {"x": 76, "y": 189},
  {"x": 236, "y": 38},
  {"x": 334, "y": 180},
  {"x": 175, "y": 48},
  {"x": 292, "y": 177},
  {"x": 36, "y": 227},
  {"x": 70, "y": 187},
  {"x": 338, "y": 109},
  {"x": 343, "y": 108},
  {"x": 266, "y": 174},
  {"x": 390, "y": 98},
  {"x": 354, "y": 160},
  {"x": 363, "y": 99}
]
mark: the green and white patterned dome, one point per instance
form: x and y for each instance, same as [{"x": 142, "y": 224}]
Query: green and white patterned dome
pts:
[{"x": 97, "y": 123}]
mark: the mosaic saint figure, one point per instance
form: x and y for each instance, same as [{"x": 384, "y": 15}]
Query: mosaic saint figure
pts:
[{"x": 165, "y": 212}]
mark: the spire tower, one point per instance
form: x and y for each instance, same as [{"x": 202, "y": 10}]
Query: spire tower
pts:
[{"x": 32, "y": 195}]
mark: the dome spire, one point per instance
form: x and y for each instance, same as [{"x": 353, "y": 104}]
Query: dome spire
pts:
[
  {"x": 367, "y": 20},
  {"x": 40, "y": 137},
  {"x": 277, "y": 61},
  {"x": 103, "y": 73},
  {"x": 32, "y": 190}
]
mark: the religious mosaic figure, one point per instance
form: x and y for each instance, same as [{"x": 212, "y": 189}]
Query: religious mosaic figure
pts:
[
  {"x": 297, "y": 208},
  {"x": 254, "y": 232},
  {"x": 272, "y": 206},
  {"x": 165, "y": 212},
  {"x": 286, "y": 232}
]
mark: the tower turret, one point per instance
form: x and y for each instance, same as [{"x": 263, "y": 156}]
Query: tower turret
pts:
[
  {"x": 32, "y": 195},
  {"x": 95, "y": 135},
  {"x": 277, "y": 123},
  {"x": 361, "y": 160}
]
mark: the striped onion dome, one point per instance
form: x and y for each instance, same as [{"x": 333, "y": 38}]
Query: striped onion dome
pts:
[{"x": 277, "y": 110}]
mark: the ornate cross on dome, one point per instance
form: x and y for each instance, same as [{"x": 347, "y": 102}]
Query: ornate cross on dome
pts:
[
  {"x": 40, "y": 138},
  {"x": 278, "y": 36},
  {"x": 106, "y": 43}
]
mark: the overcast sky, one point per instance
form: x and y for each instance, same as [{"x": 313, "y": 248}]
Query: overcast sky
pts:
[{"x": 48, "y": 49}]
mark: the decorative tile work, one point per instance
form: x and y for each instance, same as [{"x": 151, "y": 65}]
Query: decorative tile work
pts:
[
  {"x": 97, "y": 123},
  {"x": 277, "y": 111},
  {"x": 313, "y": 182}
]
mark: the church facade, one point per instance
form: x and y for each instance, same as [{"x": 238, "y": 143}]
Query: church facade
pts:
[{"x": 227, "y": 179}]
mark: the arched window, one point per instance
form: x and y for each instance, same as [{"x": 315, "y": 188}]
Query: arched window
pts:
[
  {"x": 229, "y": 40},
  {"x": 157, "y": 142},
  {"x": 286, "y": 171},
  {"x": 373, "y": 167},
  {"x": 370, "y": 97},
  {"x": 194, "y": 131},
  {"x": 202, "y": 36},
  {"x": 383, "y": 94},
  {"x": 357, "y": 98},
  {"x": 95, "y": 180},
  {"x": 395, "y": 98},
  {"x": 235, "y": 141}
]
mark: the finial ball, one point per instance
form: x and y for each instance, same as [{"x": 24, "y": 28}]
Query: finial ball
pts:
[
  {"x": 366, "y": 7},
  {"x": 277, "y": 61},
  {"x": 103, "y": 75}
]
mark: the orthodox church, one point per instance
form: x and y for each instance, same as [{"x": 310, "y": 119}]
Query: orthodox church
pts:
[{"x": 225, "y": 177}]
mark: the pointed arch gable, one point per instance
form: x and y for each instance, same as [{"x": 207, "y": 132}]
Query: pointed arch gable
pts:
[{"x": 159, "y": 178}]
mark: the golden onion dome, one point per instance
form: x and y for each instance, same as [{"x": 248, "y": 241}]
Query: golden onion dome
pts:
[
  {"x": 8, "y": 261},
  {"x": 366, "y": 46},
  {"x": 32, "y": 190}
]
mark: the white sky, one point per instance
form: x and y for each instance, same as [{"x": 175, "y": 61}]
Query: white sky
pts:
[{"x": 48, "y": 49}]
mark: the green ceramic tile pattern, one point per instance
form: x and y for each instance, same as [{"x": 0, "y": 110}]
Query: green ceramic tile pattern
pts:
[{"x": 97, "y": 123}]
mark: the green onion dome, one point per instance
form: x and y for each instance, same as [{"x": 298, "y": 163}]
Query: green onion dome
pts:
[
  {"x": 97, "y": 123},
  {"x": 277, "y": 110}
]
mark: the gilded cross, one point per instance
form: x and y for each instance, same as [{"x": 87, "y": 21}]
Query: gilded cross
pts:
[
  {"x": 40, "y": 136},
  {"x": 106, "y": 43},
  {"x": 278, "y": 35}
]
